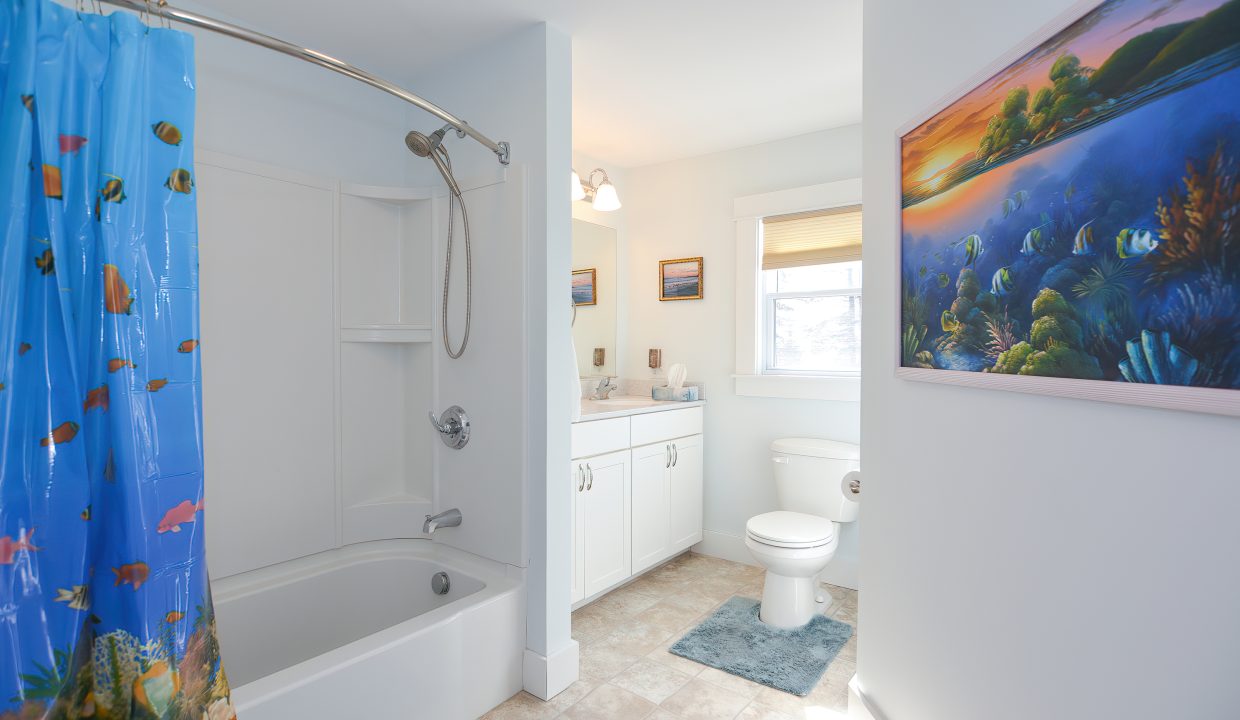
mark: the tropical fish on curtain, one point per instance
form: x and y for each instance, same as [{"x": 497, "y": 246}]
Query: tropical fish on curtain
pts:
[{"x": 105, "y": 608}]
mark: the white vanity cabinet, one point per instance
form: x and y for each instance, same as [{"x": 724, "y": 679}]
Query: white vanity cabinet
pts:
[
  {"x": 651, "y": 500},
  {"x": 667, "y": 499},
  {"x": 685, "y": 493},
  {"x": 637, "y": 495},
  {"x": 602, "y": 523}
]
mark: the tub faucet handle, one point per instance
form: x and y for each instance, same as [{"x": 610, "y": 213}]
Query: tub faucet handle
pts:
[{"x": 453, "y": 426}]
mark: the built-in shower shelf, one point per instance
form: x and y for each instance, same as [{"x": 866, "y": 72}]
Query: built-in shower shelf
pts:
[
  {"x": 397, "y": 195},
  {"x": 386, "y": 333}
]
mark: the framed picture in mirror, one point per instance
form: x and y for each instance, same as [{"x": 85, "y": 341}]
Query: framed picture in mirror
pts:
[{"x": 585, "y": 289}]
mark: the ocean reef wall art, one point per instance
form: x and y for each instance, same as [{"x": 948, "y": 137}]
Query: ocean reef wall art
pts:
[{"x": 1077, "y": 214}]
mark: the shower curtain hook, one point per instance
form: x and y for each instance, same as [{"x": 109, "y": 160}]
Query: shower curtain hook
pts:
[
  {"x": 147, "y": 12},
  {"x": 164, "y": 20}
]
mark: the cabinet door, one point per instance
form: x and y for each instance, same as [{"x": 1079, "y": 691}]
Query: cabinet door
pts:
[
  {"x": 651, "y": 465},
  {"x": 686, "y": 492},
  {"x": 603, "y": 513},
  {"x": 577, "y": 474}
]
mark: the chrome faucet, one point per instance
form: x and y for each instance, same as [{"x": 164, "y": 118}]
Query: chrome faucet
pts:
[
  {"x": 447, "y": 518},
  {"x": 605, "y": 388}
]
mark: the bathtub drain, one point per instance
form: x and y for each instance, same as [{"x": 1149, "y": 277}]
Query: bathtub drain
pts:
[{"x": 441, "y": 583}]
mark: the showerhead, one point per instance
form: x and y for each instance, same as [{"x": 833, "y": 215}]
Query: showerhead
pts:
[
  {"x": 421, "y": 145},
  {"x": 432, "y": 147}
]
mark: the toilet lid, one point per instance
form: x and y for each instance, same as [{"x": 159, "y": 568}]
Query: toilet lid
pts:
[{"x": 790, "y": 529}]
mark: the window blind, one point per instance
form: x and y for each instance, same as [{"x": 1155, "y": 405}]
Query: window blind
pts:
[{"x": 811, "y": 238}]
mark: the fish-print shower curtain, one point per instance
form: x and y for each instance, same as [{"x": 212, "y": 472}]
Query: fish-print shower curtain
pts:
[{"x": 105, "y": 609}]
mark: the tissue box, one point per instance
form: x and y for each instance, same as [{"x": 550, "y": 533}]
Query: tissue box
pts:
[{"x": 682, "y": 394}]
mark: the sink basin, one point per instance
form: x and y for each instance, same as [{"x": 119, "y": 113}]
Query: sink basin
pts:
[{"x": 621, "y": 402}]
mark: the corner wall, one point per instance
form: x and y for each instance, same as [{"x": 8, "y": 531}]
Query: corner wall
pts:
[
  {"x": 684, "y": 209},
  {"x": 1025, "y": 557}
]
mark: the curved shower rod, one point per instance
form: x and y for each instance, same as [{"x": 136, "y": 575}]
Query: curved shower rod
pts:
[{"x": 152, "y": 9}]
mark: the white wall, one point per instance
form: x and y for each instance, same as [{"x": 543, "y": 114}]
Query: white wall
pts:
[
  {"x": 258, "y": 104},
  {"x": 1025, "y": 557},
  {"x": 684, "y": 209}
]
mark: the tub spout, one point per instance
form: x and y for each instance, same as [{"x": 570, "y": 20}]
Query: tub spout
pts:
[{"x": 447, "y": 518}]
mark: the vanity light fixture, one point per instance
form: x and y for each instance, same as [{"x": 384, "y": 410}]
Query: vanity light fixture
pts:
[{"x": 603, "y": 196}]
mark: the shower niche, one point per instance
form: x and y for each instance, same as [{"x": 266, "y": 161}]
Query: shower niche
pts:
[{"x": 385, "y": 359}]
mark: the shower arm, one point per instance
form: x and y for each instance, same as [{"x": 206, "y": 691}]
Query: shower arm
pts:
[{"x": 168, "y": 12}]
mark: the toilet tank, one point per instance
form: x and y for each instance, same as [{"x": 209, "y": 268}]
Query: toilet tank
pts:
[{"x": 809, "y": 476}]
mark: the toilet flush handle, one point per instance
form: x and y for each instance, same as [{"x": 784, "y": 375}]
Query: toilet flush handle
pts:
[
  {"x": 781, "y": 459},
  {"x": 852, "y": 481}
]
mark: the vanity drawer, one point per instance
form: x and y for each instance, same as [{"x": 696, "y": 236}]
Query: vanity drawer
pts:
[
  {"x": 596, "y": 437},
  {"x": 656, "y": 426}
]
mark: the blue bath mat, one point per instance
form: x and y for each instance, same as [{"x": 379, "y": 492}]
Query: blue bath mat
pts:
[{"x": 734, "y": 640}]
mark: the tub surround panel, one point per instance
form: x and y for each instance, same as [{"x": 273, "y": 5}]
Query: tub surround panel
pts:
[
  {"x": 483, "y": 479},
  {"x": 266, "y": 257}
]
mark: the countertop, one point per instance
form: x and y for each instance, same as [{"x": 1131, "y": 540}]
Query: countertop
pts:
[{"x": 625, "y": 405}]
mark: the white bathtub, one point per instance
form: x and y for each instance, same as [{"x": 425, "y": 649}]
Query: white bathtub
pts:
[{"x": 358, "y": 633}]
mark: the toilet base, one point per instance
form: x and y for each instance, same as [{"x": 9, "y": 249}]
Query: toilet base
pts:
[{"x": 789, "y": 602}]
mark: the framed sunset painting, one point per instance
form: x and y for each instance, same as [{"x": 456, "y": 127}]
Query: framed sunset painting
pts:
[
  {"x": 585, "y": 287},
  {"x": 1070, "y": 221},
  {"x": 680, "y": 279}
]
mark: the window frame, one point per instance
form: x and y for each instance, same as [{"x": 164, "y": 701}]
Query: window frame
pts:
[
  {"x": 751, "y": 377},
  {"x": 766, "y": 328}
]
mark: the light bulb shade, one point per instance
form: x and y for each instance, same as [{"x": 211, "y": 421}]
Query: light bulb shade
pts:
[
  {"x": 605, "y": 197},
  {"x": 578, "y": 192}
]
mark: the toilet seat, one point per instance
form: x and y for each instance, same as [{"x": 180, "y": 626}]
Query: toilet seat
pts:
[{"x": 784, "y": 529}]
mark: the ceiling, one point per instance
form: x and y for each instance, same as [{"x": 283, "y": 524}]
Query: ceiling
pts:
[{"x": 652, "y": 80}]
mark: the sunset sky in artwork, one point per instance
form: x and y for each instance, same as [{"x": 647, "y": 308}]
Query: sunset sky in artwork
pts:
[
  {"x": 951, "y": 136},
  {"x": 681, "y": 269}
]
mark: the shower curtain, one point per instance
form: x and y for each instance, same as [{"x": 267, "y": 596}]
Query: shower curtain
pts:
[{"x": 105, "y": 609}]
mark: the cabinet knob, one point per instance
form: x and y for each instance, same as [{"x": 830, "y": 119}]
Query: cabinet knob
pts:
[
  {"x": 675, "y": 454},
  {"x": 590, "y": 476},
  {"x": 581, "y": 478},
  {"x": 667, "y": 453}
]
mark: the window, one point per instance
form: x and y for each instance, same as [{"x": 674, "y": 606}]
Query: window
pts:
[
  {"x": 811, "y": 292},
  {"x": 812, "y": 318},
  {"x": 798, "y": 292}
]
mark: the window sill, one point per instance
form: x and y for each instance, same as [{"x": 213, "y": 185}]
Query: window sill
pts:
[{"x": 841, "y": 388}]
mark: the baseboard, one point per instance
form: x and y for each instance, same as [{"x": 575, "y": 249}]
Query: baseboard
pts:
[
  {"x": 859, "y": 706},
  {"x": 841, "y": 571},
  {"x": 725, "y": 547},
  {"x": 545, "y": 677}
]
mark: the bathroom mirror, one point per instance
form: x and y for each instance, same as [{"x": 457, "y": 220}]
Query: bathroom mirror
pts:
[{"x": 594, "y": 297}]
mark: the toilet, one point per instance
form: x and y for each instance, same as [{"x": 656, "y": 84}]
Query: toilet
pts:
[{"x": 796, "y": 542}]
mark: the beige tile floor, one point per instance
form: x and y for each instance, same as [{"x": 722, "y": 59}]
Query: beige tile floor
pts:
[{"x": 628, "y": 674}]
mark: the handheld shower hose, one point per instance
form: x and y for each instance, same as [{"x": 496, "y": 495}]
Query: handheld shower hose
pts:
[{"x": 432, "y": 147}]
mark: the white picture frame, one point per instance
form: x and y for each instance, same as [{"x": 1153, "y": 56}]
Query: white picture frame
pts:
[{"x": 1173, "y": 397}]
